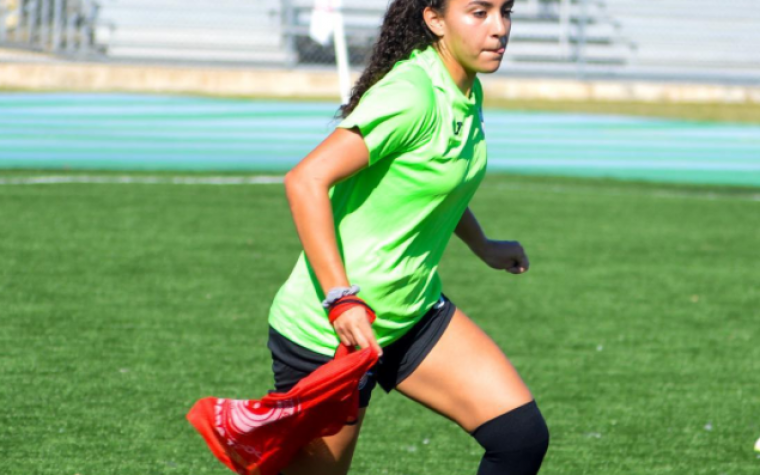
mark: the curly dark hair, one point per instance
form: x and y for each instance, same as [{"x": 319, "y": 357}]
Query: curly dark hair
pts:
[{"x": 403, "y": 30}]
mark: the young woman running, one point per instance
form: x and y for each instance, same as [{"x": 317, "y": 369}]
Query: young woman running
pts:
[{"x": 374, "y": 206}]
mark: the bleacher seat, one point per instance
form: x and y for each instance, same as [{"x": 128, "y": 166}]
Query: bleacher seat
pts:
[
  {"x": 621, "y": 35},
  {"x": 691, "y": 34},
  {"x": 222, "y": 31}
]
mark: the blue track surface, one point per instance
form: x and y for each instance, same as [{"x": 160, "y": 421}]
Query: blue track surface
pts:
[{"x": 143, "y": 132}]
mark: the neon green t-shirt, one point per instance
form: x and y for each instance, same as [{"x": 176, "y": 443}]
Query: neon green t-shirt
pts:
[{"x": 393, "y": 219}]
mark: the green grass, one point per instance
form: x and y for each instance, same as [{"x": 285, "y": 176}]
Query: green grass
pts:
[{"x": 636, "y": 328}]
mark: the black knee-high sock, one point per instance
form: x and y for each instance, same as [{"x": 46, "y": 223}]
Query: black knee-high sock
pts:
[{"x": 515, "y": 442}]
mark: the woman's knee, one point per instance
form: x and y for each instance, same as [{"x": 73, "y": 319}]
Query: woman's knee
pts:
[{"x": 515, "y": 442}]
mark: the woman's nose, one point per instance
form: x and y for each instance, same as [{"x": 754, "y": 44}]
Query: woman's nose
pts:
[{"x": 501, "y": 28}]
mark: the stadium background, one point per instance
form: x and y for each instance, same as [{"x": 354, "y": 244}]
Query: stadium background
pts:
[{"x": 144, "y": 228}]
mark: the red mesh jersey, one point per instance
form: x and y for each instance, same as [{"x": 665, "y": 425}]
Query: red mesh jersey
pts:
[{"x": 260, "y": 437}]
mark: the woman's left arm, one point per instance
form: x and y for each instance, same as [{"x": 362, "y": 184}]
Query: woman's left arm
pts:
[{"x": 503, "y": 255}]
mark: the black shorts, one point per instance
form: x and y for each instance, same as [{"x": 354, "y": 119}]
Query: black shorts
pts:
[{"x": 292, "y": 362}]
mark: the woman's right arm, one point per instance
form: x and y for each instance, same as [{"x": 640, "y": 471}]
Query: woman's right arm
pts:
[{"x": 340, "y": 155}]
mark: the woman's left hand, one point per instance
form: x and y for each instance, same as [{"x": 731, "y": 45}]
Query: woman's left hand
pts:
[{"x": 505, "y": 255}]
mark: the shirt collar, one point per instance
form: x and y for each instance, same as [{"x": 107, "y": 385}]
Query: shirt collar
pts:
[{"x": 433, "y": 64}]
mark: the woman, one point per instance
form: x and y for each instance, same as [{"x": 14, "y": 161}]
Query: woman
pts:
[{"x": 374, "y": 206}]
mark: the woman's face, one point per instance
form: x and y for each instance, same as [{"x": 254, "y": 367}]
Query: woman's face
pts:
[{"x": 476, "y": 32}]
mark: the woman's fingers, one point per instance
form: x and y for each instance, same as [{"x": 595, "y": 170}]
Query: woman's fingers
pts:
[
  {"x": 377, "y": 347},
  {"x": 366, "y": 338},
  {"x": 353, "y": 329},
  {"x": 361, "y": 338},
  {"x": 344, "y": 338}
]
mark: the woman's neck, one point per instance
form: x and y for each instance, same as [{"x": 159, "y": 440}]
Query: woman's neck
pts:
[{"x": 462, "y": 78}]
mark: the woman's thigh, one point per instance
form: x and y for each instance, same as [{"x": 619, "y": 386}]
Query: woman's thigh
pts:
[
  {"x": 466, "y": 377},
  {"x": 328, "y": 455}
]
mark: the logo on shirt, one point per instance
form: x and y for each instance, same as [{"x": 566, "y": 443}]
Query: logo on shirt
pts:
[{"x": 457, "y": 127}]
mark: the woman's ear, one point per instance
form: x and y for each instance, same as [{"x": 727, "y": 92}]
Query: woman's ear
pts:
[{"x": 434, "y": 21}]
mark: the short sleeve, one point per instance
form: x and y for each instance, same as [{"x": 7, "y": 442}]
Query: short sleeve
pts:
[{"x": 395, "y": 115}]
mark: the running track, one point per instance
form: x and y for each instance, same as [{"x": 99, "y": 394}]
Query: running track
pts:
[{"x": 143, "y": 132}]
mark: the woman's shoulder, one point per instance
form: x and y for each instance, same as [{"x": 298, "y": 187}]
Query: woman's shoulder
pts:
[
  {"x": 410, "y": 82},
  {"x": 411, "y": 72}
]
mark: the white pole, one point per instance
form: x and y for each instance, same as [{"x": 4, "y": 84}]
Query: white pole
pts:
[
  {"x": 20, "y": 12},
  {"x": 45, "y": 24},
  {"x": 57, "y": 24},
  {"x": 72, "y": 15},
  {"x": 85, "y": 32},
  {"x": 341, "y": 52},
  {"x": 582, "y": 39},
  {"x": 564, "y": 20},
  {"x": 31, "y": 22}
]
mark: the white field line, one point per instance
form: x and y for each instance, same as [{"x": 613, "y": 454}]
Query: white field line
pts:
[
  {"x": 144, "y": 180},
  {"x": 667, "y": 194}
]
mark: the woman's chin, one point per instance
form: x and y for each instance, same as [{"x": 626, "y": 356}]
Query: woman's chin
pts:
[{"x": 489, "y": 67}]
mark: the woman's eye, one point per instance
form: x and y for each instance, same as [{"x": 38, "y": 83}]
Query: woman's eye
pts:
[
  {"x": 508, "y": 13},
  {"x": 480, "y": 14}
]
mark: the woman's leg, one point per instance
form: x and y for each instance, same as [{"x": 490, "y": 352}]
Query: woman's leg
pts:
[
  {"x": 467, "y": 378},
  {"x": 328, "y": 455}
]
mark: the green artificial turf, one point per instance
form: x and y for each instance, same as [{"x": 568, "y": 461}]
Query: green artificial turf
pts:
[{"x": 636, "y": 327}]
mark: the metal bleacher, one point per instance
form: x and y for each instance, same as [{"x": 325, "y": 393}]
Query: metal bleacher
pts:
[
  {"x": 550, "y": 31},
  {"x": 691, "y": 34},
  {"x": 608, "y": 37},
  {"x": 543, "y": 31},
  {"x": 275, "y": 32},
  {"x": 206, "y": 31}
]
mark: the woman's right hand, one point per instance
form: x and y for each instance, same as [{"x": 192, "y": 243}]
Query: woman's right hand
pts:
[{"x": 353, "y": 329}]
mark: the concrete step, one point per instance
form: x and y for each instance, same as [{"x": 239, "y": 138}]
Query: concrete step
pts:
[
  {"x": 187, "y": 38},
  {"x": 211, "y": 55}
]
